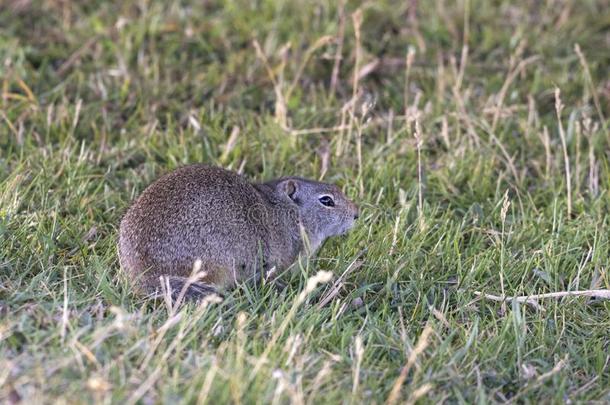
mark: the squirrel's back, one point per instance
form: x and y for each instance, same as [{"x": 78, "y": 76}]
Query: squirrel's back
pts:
[{"x": 197, "y": 212}]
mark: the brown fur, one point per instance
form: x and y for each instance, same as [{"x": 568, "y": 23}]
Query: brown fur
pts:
[{"x": 235, "y": 228}]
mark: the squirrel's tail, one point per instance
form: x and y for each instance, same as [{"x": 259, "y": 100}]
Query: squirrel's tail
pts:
[{"x": 181, "y": 288}]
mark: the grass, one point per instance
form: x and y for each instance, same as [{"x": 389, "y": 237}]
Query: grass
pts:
[{"x": 441, "y": 119}]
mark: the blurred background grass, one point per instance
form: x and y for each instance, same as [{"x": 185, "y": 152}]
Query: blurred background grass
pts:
[{"x": 440, "y": 118}]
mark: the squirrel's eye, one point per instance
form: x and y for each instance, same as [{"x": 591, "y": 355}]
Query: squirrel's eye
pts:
[{"x": 327, "y": 201}]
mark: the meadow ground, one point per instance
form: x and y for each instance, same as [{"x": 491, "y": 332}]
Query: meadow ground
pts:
[{"x": 473, "y": 134}]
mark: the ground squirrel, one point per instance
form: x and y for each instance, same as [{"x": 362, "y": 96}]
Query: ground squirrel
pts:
[{"x": 236, "y": 229}]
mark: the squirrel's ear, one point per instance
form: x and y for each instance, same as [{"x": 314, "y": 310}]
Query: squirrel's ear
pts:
[{"x": 288, "y": 187}]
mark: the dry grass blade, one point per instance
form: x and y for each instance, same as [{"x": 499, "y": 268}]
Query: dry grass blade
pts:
[
  {"x": 144, "y": 387},
  {"x": 585, "y": 66},
  {"x": 359, "y": 353},
  {"x": 26, "y": 89},
  {"x": 418, "y": 393},
  {"x": 310, "y": 131},
  {"x": 422, "y": 344},
  {"x": 420, "y": 174},
  {"x": 76, "y": 55},
  {"x": 542, "y": 378},
  {"x": 602, "y": 294},
  {"x": 320, "y": 278},
  {"x": 336, "y": 287},
  {"x": 323, "y": 152},
  {"x": 280, "y": 102},
  {"x": 533, "y": 299},
  {"x": 334, "y": 80},
  {"x": 231, "y": 142},
  {"x": 65, "y": 314},
  {"x": 323, "y": 41},
  {"x": 368, "y": 68},
  {"x": 512, "y": 75},
  {"x": 566, "y": 159}
]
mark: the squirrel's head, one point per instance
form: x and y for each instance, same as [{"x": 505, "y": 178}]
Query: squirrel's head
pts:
[{"x": 323, "y": 210}]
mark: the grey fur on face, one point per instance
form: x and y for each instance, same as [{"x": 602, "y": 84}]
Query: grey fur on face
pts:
[{"x": 235, "y": 228}]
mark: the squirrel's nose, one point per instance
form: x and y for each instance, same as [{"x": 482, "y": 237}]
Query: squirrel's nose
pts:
[{"x": 356, "y": 212}]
